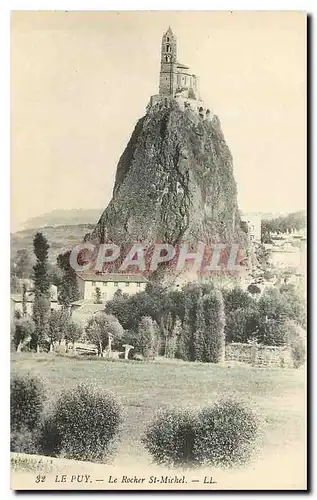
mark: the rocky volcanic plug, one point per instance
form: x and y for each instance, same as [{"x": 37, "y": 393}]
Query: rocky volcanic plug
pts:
[{"x": 174, "y": 181}]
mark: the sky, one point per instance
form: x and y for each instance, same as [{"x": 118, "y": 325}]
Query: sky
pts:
[{"x": 81, "y": 80}]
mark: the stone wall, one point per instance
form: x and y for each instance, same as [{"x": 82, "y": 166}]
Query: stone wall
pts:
[
  {"x": 184, "y": 104},
  {"x": 259, "y": 355}
]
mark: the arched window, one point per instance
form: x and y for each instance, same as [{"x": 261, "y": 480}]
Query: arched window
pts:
[
  {"x": 168, "y": 58},
  {"x": 168, "y": 39},
  {"x": 168, "y": 48}
]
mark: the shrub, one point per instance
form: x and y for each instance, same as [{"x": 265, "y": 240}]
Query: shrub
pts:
[
  {"x": 24, "y": 440},
  {"x": 254, "y": 289},
  {"x": 296, "y": 342},
  {"x": 170, "y": 438},
  {"x": 23, "y": 329},
  {"x": 26, "y": 402},
  {"x": 298, "y": 352},
  {"x": 83, "y": 423},
  {"x": 226, "y": 434}
]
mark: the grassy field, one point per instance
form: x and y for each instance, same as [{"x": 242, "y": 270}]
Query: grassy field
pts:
[{"x": 278, "y": 395}]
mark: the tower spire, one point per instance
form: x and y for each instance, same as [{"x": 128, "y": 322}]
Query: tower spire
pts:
[{"x": 168, "y": 64}]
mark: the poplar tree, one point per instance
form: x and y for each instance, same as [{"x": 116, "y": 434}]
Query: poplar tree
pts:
[
  {"x": 214, "y": 315},
  {"x": 200, "y": 332},
  {"x": 24, "y": 300},
  {"x": 41, "y": 304},
  {"x": 68, "y": 289}
]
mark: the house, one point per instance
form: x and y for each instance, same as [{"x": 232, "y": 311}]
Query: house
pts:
[
  {"x": 83, "y": 310},
  {"x": 16, "y": 300},
  {"x": 105, "y": 285},
  {"x": 252, "y": 223}
]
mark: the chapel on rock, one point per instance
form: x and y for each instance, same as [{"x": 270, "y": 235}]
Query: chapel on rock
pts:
[
  {"x": 176, "y": 83},
  {"x": 175, "y": 78}
]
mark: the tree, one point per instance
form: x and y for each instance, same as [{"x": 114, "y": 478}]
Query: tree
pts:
[
  {"x": 23, "y": 330},
  {"x": 286, "y": 224},
  {"x": 55, "y": 274},
  {"x": 41, "y": 304},
  {"x": 253, "y": 289},
  {"x": 68, "y": 288},
  {"x": 24, "y": 300},
  {"x": 185, "y": 347},
  {"x": 236, "y": 299},
  {"x": 40, "y": 274},
  {"x": 41, "y": 318},
  {"x": 214, "y": 313},
  {"x": 274, "y": 309},
  {"x": 58, "y": 324},
  {"x": 263, "y": 256},
  {"x": 97, "y": 296},
  {"x": 146, "y": 341},
  {"x": 73, "y": 332},
  {"x": 161, "y": 305},
  {"x": 14, "y": 284},
  {"x": 22, "y": 264},
  {"x": 99, "y": 327},
  {"x": 200, "y": 332},
  {"x": 295, "y": 302},
  {"x": 129, "y": 309},
  {"x": 192, "y": 294},
  {"x": 172, "y": 341},
  {"x": 242, "y": 324}
]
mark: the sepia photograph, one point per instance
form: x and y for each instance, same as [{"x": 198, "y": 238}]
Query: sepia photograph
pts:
[{"x": 158, "y": 250}]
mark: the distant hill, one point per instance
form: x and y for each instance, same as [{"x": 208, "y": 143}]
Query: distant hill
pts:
[
  {"x": 77, "y": 216},
  {"x": 268, "y": 215},
  {"x": 64, "y": 236},
  {"x": 60, "y": 238}
]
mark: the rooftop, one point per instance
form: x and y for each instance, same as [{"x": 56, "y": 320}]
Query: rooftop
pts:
[
  {"x": 17, "y": 297},
  {"x": 179, "y": 65},
  {"x": 113, "y": 277}
]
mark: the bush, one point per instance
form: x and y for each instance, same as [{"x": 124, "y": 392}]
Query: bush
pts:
[
  {"x": 223, "y": 435},
  {"x": 22, "y": 330},
  {"x": 24, "y": 441},
  {"x": 170, "y": 438},
  {"x": 226, "y": 434},
  {"x": 26, "y": 402},
  {"x": 298, "y": 352},
  {"x": 83, "y": 423}
]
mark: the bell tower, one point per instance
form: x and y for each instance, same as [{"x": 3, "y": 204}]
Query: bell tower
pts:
[{"x": 168, "y": 73}]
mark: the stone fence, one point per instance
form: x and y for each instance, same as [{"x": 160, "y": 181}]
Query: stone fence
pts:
[{"x": 259, "y": 355}]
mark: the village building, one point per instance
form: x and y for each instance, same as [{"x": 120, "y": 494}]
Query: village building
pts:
[
  {"x": 252, "y": 225},
  {"x": 108, "y": 284},
  {"x": 16, "y": 300}
]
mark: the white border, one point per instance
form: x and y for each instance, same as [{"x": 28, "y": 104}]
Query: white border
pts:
[{"x": 5, "y": 7}]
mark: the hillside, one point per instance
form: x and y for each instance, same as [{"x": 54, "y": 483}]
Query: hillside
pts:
[
  {"x": 70, "y": 217},
  {"x": 60, "y": 238}
]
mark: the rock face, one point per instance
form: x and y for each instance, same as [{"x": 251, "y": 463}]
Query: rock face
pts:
[{"x": 174, "y": 183}]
